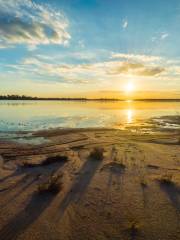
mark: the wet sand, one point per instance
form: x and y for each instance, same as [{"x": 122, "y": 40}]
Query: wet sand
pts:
[{"x": 132, "y": 192}]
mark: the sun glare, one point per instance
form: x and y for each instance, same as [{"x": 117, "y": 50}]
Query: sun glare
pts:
[{"x": 129, "y": 87}]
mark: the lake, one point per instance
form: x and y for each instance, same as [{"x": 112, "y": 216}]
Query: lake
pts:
[{"x": 38, "y": 115}]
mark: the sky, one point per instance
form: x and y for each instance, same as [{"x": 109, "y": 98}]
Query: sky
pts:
[{"x": 90, "y": 48}]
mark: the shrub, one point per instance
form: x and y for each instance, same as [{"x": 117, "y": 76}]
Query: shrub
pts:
[
  {"x": 97, "y": 154},
  {"x": 46, "y": 161},
  {"x": 166, "y": 179},
  {"x": 144, "y": 183},
  {"x": 26, "y": 164},
  {"x": 53, "y": 159},
  {"x": 133, "y": 229},
  {"x": 114, "y": 167},
  {"x": 52, "y": 185}
]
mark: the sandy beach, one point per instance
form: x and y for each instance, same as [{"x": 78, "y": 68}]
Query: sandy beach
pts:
[
  {"x": 89, "y": 120},
  {"x": 91, "y": 184}
]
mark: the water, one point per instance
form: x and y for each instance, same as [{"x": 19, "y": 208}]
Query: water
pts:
[{"x": 38, "y": 115}]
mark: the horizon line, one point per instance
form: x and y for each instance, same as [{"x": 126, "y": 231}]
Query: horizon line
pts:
[{"x": 24, "y": 97}]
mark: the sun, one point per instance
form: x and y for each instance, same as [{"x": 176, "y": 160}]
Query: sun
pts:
[{"x": 129, "y": 87}]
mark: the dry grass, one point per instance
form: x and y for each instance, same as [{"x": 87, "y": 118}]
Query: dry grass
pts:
[
  {"x": 97, "y": 154},
  {"x": 46, "y": 161},
  {"x": 114, "y": 167},
  {"x": 166, "y": 179},
  {"x": 26, "y": 164},
  {"x": 143, "y": 181},
  {"x": 53, "y": 159},
  {"x": 178, "y": 141},
  {"x": 133, "y": 229},
  {"x": 152, "y": 166},
  {"x": 52, "y": 185}
]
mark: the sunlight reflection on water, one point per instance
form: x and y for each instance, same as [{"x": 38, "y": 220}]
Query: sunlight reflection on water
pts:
[
  {"x": 129, "y": 116},
  {"x": 36, "y": 115}
]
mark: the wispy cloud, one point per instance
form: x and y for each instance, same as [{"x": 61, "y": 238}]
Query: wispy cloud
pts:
[
  {"x": 136, "y": 57},
  {"x": 25, "y": 22},
  {"x": 118, "y": 68},
  {"x": 93, "y": 72},
  {"x": 164, "y": 36},
  {"x": 160, "y": 37},
  {"x": 125, "y": 23},
  {"x": 136, "y": 69}
]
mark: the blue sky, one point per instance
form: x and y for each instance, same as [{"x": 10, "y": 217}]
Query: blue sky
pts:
[{"x": 60, "y": 48}]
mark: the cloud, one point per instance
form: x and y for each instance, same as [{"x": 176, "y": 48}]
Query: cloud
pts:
[
  {"x": 119, "y": 68},
  {"x": 25, "y": 22},
  {"x": 125, "y": 67},
  {"x": 160, "y": 37},
  {"x": 3, "y": 46},
  {"x": 136, "y": 57},
  {"x": 136, "y": 69},
  {"x": 125, "y": 24},
  {"x": 149, "y": 72},
  {"x": 93, "y": 72},
  {"x": 164, "y": 36}
]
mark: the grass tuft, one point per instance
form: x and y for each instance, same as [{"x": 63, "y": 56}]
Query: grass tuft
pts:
[
  {"x": 53, "y": 159},
  {"x": 26, "y": 164},
  {"x": 52, "y": 185},
  {"x": 143, "y": 182},
  {"x": 46, "y": 161},
  {"x": 133, "y": 229},
  {"x": 97, "y": 154},
  {"x": 166, "y": 179}
]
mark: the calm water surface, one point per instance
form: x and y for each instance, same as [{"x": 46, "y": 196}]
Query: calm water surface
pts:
[{"x": 36, "y": 115}]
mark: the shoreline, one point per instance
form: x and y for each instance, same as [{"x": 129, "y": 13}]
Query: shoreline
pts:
[{"x": 103, "y": 99}]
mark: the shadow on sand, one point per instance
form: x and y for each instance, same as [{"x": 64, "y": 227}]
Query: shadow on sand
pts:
[
  {"x": 115, "y": 172},
  {"x": 36, "y": 206},
  {"x": 173, "y": 193},
  {"x": 23, "y": 184},
  {"x": 21, "y": 221},
  {"x": 30, "y": 172},
  {"x": 80, "y": 185}
]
